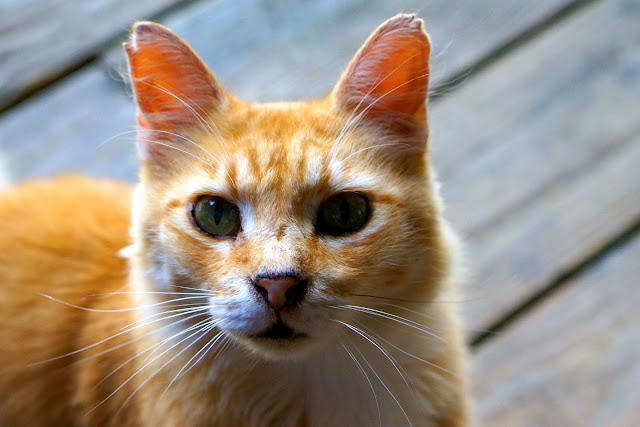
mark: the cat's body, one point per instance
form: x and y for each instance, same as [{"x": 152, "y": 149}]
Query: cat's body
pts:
[{"x": 370, "y": 334}]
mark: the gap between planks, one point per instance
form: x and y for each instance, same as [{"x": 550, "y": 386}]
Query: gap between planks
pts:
[
  {"x": 504, "y": 49},
  {"x": 565, "y": 278},
  {"x": 447, "y": 86},
  {"x": 92, "y": 57}
]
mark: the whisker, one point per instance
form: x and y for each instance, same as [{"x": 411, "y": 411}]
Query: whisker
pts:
[
  {"x": 154, "y": 346},
  {"x": 155, "y": 131},
  {"x": 204, "y": 291},
  {"x": 109, "y": 338},
  {"x": 385, "y": 315},
  {"x": 212, "y": 342},
  {"x": 153, "y": 141},
  {"x": 199, "y": 294},
  {"x": 406, "y": 300},
  {"x": 225, "y": 341},
  {"x": 410, "y": 354},
  {"x": 375, "y": 396},
  {"x": 144, "y": 366},
  {"x": 203, "y": 330},
  {"x": 380, "y": 380},
  {"x": 370, "y": 148},
  {"x": 382, "y": 350},
  {"x": 174, "y": 309},
  {"x": 118, "y": 310}
]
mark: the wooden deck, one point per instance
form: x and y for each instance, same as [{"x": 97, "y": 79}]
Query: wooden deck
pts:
[{"x": 535, "y": 134}]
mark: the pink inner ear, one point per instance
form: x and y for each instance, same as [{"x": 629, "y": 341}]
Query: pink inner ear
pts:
[
  {"x": 171, "y": 83},
  {"x": 389, "y": 75}
]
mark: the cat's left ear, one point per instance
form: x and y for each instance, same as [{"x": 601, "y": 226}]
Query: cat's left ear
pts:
[
  {"x": 387, "y": 82},
  {"x": 173, "y": 87}
]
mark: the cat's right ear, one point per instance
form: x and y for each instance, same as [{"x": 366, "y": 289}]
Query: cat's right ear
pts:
[{"x": 173, "y": 88}]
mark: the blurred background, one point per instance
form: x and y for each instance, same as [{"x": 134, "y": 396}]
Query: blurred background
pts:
[{"x": 535, "y": 118}]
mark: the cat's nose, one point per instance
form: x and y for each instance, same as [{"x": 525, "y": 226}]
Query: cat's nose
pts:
[{"x": 281, "y": 290}]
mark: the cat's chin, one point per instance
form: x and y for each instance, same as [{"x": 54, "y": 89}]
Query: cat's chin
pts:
[
  {"x": 279, "y": 342},
  {"x": 281, "y": 348}
]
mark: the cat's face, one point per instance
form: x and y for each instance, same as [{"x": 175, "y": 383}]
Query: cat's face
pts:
[{"x": 285, "y": 213}]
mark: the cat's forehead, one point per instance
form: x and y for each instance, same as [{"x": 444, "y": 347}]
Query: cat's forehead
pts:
[{"x": 282, "y": 146}]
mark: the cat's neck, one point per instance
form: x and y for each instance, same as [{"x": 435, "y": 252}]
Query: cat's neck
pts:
[{"x": 349, "y": 381}]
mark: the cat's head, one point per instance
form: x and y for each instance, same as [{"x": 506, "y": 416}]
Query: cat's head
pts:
[{"x": 285, "y": 213}]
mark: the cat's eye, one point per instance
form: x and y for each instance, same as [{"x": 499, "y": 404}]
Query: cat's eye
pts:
[
  {"x": 216, "y": 216},
  {"x": 343, "y": 213}
]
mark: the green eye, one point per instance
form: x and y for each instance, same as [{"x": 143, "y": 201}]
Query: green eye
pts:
[
  {"x": 343, "y": 214},
  {"x": 216, "y": 216}
]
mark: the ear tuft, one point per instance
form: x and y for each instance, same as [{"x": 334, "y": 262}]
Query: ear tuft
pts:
[
  {"x": 145, "y": 27},
  {"x": 387, "y": 81}
]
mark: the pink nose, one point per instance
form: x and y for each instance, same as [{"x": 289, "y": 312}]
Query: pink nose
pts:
[{"x": 280, "y": 291}]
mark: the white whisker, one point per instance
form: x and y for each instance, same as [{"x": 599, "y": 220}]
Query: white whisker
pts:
[
  {"x": 375, "y": 396},
  {"x": 147, "y": 364},
  {"x": 111, "y": 337},
  {"x": 384, "y": 314},
  {"x": 410, "y": 354},
  {"x": 118, "y": 310},
  {"x": 203, "y": 330},
  {"x": 212, "y": 342},
  {"x": 386, "y": 354},
  {"x": 156, "y": 345},
  {"x": 380, "y": 379}
]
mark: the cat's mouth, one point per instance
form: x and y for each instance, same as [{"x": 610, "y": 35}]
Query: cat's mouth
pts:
[{"x": 279, "y": 331}]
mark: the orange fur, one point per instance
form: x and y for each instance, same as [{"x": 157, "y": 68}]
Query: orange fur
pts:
[{"x": 277, "y": 163}]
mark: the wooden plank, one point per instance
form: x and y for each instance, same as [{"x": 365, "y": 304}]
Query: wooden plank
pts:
[
  {"x": 520, "y": 147},
  {"x": 288, "y": 51},
  {"x": 516, "y": 259},
  {"x": 64, "y": 131},
  {"x": 540, "y": 115},
  {"x": 39, "y": 39},
  {"x": 574, "y": 360},
  {"x": 74, "y": 120}
]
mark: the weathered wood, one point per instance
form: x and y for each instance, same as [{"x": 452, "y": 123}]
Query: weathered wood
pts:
[
  {"x": 284, "y": 51},
  {"x": 569, "y": 223},
  {"x": 74, "y": 118},
  {"x": 574, "y": 360},
  {"x": 539, "y": 117},
  {"x": 39, "y": 39},
  {"x": 519, "y": 147},
  {"x": 63, "y": 131}
]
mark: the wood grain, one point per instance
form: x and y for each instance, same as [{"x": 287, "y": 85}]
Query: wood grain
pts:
[
  {"x": 540, "y": 116},
  {"x": 241, "y": 41},
  {"x": 568, "y": 224},
  {"x": 520, "y": 146},
  {"x": 39, "y": 39},
  {"x": 66, "y": 130},
  {"x": 574, "y": 360},
  {"x": 287, "y": 51}
]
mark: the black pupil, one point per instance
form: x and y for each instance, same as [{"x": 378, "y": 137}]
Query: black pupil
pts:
[
  {"x": 343, "y": 214},
  {"x": 218, "y": 211},
  {"x": 216, "y": 216}
]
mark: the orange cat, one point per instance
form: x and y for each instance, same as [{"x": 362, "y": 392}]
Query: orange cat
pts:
[{"x": 286, "y": 264}]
